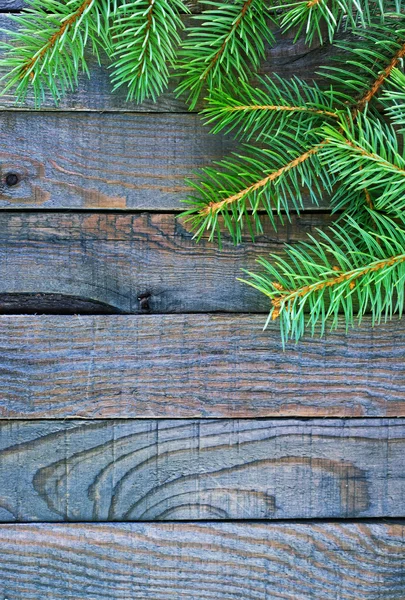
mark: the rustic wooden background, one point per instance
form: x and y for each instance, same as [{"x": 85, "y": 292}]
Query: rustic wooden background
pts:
[{"x": 155, "y": 443}]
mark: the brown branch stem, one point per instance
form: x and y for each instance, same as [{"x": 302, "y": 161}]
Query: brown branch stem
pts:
[
  {"x": 56, "y": 36},
  {"x": 280, "y": 300},
  {"x": 270, "y": 107},
  {"x": 216, "y": 206},
  {"x": 236, "y": 24}
]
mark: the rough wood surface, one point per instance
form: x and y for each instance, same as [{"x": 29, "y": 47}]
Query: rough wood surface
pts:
[
  {"x": 194, "y": 366},
  {"x": 189, "y": 470},
  {"x": 202, "y": 561},
  {"x": 11, "y": 5},
  {"x": 113, "y": 161},
  {"x": 133, "y": 263},
  {"x": 285, "y": 58}
]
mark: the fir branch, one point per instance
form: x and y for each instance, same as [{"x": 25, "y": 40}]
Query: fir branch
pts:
[
  {"x": 145, "y": 37},
  {"x": 46, "y": 52},
  {"x": 383, "y": 76},
  {"x": 368, "y": 61},
  {"x": 246, "y": 185},
  {"x": 323, "y": 18},
  {"x": 227, "y": 45},
  {"x": 365, "y": 153},
  {"x": 240, "y": 199},
  {"x": 262, "y": 111},
  {"x": 331, "y": 275}
]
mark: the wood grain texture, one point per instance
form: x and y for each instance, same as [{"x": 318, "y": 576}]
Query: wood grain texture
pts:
[
  {"x": 133, "y": 263},
  {"x": 152, "y": 470},
  {"x": 202, "y": 561},
  {"x": 114, "y": 161},
  {"x": 11, "y": 5},
  {"x": 285, "y": 58},
  {"x": 194, "y": 366}
]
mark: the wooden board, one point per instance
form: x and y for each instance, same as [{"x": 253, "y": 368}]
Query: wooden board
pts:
[
  {"x": 194, "y": 366},
  {"x": 202, "y": 561},
  {"x": 133, "y": 263},
  {"x": 285, "y": 58},
  {"x": 119, "y": 161},
  {"x": 11, "y": 5},
  {"x": 151, "y": 470}
]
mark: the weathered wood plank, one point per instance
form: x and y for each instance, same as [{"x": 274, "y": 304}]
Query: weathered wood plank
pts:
[
  {"x": 119, "y": 161},
  {"x": 226, "y": 469},
  {"x": 133, "y": 263},
  {"x": 285, "y": 58},
  {"x": 11, "y": 5},
  {"x": 194, "y": 366},
  {"x": 202, "y": 561}
]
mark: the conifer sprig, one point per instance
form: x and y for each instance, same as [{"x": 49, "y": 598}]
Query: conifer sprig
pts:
[
  {"x": 217, "y": 198},
  {"x": 259, "y": 112},
  {"x": 366, "y": 153},
  {"x": 322, "y": 19},
  {"x": 369, "y": 60},
  {"x": 226, "y": 44},
  {"x": 47, "y": 50},
  {"x": 145, "y": 36},
  {"x": 345, "y": 273},
  {"x": 269, "y": 179}
]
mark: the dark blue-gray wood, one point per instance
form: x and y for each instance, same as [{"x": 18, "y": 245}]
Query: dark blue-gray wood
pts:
[
  {"x": 127, "y": 470},
  {"x": 231, "y": 561},
  {"x": 194, "y": 366},
  {"x": 133, "y": 263}
]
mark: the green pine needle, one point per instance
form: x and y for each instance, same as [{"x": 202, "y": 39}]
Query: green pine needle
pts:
[
  {"x": 145, "y": 36},
  {"x": 258, "y": 112},
  {"x": 349, "y": 271},
  {"x": 46, "y": 53},
  {"x": 226, "y": 43}
]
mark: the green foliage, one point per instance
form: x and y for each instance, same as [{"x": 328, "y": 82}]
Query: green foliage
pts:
[
  {"x": 321, "y": 19},
  {"x": 365, "y": 59},
  {"x": 263, "y": 180},
  {"x": 259, "y": 112},
  {"x": 305, "y": 141},
  {"x": 225, "y": 44},
  {"x": 347, "y": 272},
  {"x": 47, "y": 50},
  {"x": 145, "y": 35},
  {"x": 334, "y": 137},
  {"x": 393, "y": 98},
  {"x": 366, "y": 153}
]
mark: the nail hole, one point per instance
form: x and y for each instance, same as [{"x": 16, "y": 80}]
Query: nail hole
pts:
[
  {"x": 144, "y": 301},
  {"x": 12, "y": 179}
]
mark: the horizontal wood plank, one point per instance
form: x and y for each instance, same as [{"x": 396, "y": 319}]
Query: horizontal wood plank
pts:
[
  {"x": 133, "y": 263},
  {"x": 190, "y": 470},
  {"x": 113, "y": 161},
  {"x": 12, "y": 5},
  {"x": 202, "y": 561},
  {"x": 194, "y": 366},
  {"x": 285, "y": 58}
]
